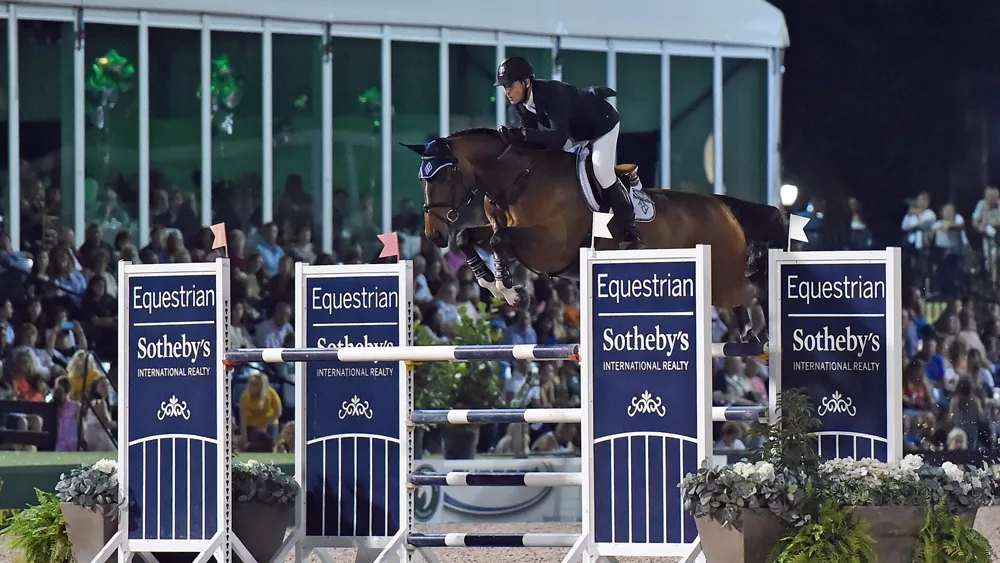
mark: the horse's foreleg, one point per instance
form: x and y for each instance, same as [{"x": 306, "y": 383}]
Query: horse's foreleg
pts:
[
  {"x": 515, "y": 295},
  {"x": 468, "y": 240}
]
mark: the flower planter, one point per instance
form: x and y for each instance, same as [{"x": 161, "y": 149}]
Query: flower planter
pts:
[
  {"x": 261, "y": 527},
  {"x": 749, "y": 539},
  {"x": 88, "y": 531},
  {"x": 896, "y": 529}
]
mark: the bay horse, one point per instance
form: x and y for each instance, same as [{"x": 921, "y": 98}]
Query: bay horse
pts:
[{"x": 538, "y": 216}]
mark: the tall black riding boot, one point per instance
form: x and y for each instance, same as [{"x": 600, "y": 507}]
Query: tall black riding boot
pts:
[{"x": 621, "y": 206}]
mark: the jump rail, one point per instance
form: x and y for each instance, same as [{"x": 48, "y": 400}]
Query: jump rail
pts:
[{"x": 537, "y": 352}]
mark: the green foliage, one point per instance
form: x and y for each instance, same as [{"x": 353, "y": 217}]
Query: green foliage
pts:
[
  {"x": 950, "y": 539},
  {"x": 254, "y": 481},
  {"x": 459, "y": 385},
  {"x": 834, "y": 536},
  {"x": 94, "y": 487},
  {"x": 723, "y": 492},
  {"x": 789, "y": 441},
  {"x": 39, "y": 532}
]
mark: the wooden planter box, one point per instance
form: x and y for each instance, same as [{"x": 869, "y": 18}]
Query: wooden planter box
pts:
[
  {"x": 261, "y": 527},
  {"x": 896, "y": 529},
  {"x": 88, "y": 532},
  {"x": 749, "y": 539}
]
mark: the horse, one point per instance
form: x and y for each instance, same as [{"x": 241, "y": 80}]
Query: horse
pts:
[{"x": 539, "y": 217}]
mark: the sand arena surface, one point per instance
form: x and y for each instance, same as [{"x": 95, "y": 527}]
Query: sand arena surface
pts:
[{"x": 987, "y": 522}]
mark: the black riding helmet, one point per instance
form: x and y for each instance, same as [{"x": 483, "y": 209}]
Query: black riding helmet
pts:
[{"x": 512, "y": 70}]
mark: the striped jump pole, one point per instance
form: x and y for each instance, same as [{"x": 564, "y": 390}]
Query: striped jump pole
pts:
[
  {"x": 743, "y": 414},
  {"x": 739, "y": 349},
  {"x": 497, "y": 479},
  {"x": 492, "y": 540},
  {"x": 537, "y": 352},
  {"x": 496, "y": 416}
]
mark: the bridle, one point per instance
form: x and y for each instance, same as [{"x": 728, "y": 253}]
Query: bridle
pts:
[{"x": 453, "y": 203}]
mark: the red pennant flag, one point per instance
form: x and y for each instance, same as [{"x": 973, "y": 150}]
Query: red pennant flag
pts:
[{"x": 391, "y": 244}]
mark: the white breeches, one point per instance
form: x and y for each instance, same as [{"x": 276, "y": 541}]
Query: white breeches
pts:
[{"x": 605, "y": 156}]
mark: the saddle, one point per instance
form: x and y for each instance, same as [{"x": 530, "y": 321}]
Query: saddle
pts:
[{"x": 645, "y": 210}]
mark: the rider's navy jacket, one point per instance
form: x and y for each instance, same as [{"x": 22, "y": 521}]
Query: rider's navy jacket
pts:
[{"x": 565, "y": 111}]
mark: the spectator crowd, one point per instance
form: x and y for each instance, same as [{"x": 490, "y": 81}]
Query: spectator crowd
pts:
[{"x": 58, "y": 319}]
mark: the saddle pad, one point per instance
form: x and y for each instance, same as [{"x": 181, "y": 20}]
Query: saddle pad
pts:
[{"x": 645, "y": 211}]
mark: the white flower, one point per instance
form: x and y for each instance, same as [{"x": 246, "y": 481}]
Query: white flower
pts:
[
  {"x": 106, "y": 466},
  {"x": 953, "y": 471},
  {"x": 744, "y": 470},
  {"x": 765, "y": 470}
]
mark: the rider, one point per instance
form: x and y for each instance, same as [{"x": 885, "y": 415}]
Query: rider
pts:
[{"x": 557, "y": 115}]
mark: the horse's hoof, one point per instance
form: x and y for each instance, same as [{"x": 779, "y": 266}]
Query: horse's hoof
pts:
[{"x": 522, "y": 299}]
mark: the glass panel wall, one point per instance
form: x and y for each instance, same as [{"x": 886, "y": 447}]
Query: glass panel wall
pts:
[
  {"x": 237, "y": 68},
  {"x": 541, "y": 62},
  {"x": 416, "y": 111},
  {"x": 112, "y": 132},
  {"x": 744, "y": 128},
  {"x": 472, "y": 72},
  {"x": 46, "y": 128},
  {"x": 4, "y": 146},
  {"x": 174, "y": 138},
  {"x": 357, "y": 146},
  {"x": 691, "y": 122},
  {"x": 297, "y": 113},
  {"x": 638, "y": 104},
  {"x": 584, "y": 68}
]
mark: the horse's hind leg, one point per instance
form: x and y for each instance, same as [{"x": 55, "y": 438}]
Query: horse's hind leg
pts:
[{"x": 468, "y": 240}]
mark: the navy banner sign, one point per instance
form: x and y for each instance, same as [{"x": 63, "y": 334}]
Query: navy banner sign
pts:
[
  {"x": 836, "y": 317},
  {"x": 350, "y": 424},
  {"x": 647, "y": 332},
  {"x": 173, "y": 406}
]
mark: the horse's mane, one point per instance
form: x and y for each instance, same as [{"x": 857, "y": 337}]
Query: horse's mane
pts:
[{"x": 476, "y": 131}]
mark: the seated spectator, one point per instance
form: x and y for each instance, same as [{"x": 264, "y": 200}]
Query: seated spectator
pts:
[
  {"x": 93, "y": 242},
  {"x": 981, "y": 376},
  {"x": 26, "y": 340},
  {"x": 260, "y": 407},
  {"x": 63, "y": 337},
  {"x": 269, "y": 249},
  {"x": 98, "y": 424},
  {"x": 7, "y": 324},
  {"x": 281, "y": 287},
  {"x": 969, "y": 333},
  {"x": 239, "y": 336},
  {"x": 421, "y": 292},
  {"x": 28, "y": 383},
  {"x": 68, "y": 281},
  {"x": 67, "y": 428},
  {"x": 98, "y": 264},
  {"x": 99, "y": 315},
  {"x": 917, "y": 394},
  {"x": 82, "y": 372},
  {"x": 446, "y": 302},
  {"x": 965, "y": 411},
  {"x": 520, "y": 330},
  {"x": 732, "y": 434},
  {"x": 271, "y": 333},
  {"x": 301, "y": 248},
  {"x": 286, "y": 439}
]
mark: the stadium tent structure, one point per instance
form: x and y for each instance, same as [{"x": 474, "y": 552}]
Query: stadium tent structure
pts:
[{"x": 330, "y": 88}]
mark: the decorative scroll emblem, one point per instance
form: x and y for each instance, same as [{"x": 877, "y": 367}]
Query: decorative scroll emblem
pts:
[
  {"x": 835, "y": 404},
  {"x": 646, "y": 404},
  {"x": 173, "y": 408},
  {"x": 356, "y": 407}
]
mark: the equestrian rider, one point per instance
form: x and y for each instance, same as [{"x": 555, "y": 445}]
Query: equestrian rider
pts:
[{"x": 557, "y": 115}]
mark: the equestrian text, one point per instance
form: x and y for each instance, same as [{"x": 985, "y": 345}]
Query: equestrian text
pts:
[
  {"x": 834, "y": 289},
  {"x": 180, "y": 298},
  {"x": 655, "y": 286},
  {"x": 364, "y": 298}
]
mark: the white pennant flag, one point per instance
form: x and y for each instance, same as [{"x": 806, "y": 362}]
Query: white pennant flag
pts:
[
  {"x": 600, "y": 227},
  {"x": 797, "y": 229}
]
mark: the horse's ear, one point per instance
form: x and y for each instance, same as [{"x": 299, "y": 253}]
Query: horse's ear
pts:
[{"x": 419, "y": 149}]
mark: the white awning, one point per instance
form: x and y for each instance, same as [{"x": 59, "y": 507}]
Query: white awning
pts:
[{"x": 734, "y": 22}]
